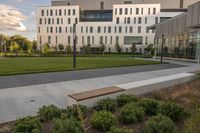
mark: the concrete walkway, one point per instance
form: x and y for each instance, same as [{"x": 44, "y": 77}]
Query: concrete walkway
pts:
[{"x": 19, "y": 102}]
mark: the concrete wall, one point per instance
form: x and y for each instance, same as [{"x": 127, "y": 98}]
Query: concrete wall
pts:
[{"x": 95, "y": 4}]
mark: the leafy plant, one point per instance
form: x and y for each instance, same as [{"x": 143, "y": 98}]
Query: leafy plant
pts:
[
  {"x": 47, "y": 113},
  {"x": 107, "y": 104},
  {"x": 125, "y": 98},
  {"x": 79, "y": 112},
  {"x": 151, "y": 106},
  {"x": 192, "y": 124},
  {"x": 103, "y": 120},
  {"x": 70, "y": 125},
  {"x": 60, "y": 47},
  {"x": 159, "y": 124},
  {"x": 175, "y": 111},
  {"x": 131, "y": 113},
  {"x": 120, "y": 130},
  {"x": 27, "y": 125}
]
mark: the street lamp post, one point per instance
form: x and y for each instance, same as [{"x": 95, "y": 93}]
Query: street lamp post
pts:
[
  {"x": 74, "y": 46},
  {"x": 161, "y": 56}
]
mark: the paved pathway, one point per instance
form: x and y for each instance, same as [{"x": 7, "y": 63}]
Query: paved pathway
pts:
[
  {"x": 19, "y": 102},
  {"x": 44, "y": 78}
]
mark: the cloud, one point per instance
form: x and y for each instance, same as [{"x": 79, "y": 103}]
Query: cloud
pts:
[{"x": 11, "y": 18}]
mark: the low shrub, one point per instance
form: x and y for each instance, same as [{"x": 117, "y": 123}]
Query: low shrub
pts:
[
  {"x": 151, "y": 106},
  {"x": 192, "y": 124},
  {"x": 70, "y": 125},
  {"x": 107, "y": 104},
  {"x": 131, "y": 113},
  {"x": 47, "y": 113},
  {"x": 159, "y": 124},
  {"x": 77, "y": 111},
  {"x": 28, "y": 125},
  {"x": 103, "y": 120},
  {"x": 120, "y": 130},
  {"x": 125, "y": 98},
  {"x": 175, "y": 111}
]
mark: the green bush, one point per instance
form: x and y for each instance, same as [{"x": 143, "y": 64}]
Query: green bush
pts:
[
  {"x": 192, "y": 124},
  {"x": 47, "y": 113},
  {"x": 107, "y": 104},
  {"x": 70, "y": 125},
  {"x": 79, "y": 112},
  {"x": 175, "y": 111},
  {"x": 27, "y": 125},
  {"x": 120, "y": 130},
  {"x": 159, "y": 124},
  {"x": 131, "y": 113},
  {"x": 125, "y": 98},
  {"x": 151, "y": 106},
  {"x": 103, "y": 120}
]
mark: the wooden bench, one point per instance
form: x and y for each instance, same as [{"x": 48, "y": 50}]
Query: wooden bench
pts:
[{"x": 90, "y": 98}]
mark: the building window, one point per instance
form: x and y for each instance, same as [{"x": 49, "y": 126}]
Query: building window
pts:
[
  {"x": 99, "y": 29},
  {"x": 45, "y": 21},
  {"x": 51, "y": 29},
  {"x": 139, "y": 29},
  {"x": 101, "y": 39},
  {"x": 128, "y": 20},
  {"x": 86, "y": 29},
  {"x": 115, "y": 11},
  {"x": 58, "y": 21},
  {"x": 109, "y": 29},
  {"x": 117, "y": 20},
  {"x": 47, "y": 29},
  {"x": 146, "y": 40},
  {"x": 120, "y": 11},
  {"x": 104, "y": 29},
  {"x": 131, "y": 29},
  {"x": 56, "y": 39},
  {"x": 51, "y": 12},
  {"x": 111, "y": 40},
  {"x": 142, "y": 10},
  {"x": 69, "y": 21},
  {"x": 149, "y": 10},
  {"x": 49, "y": 21},
  {"x": 154, "y": 10},
  {"x": 137, "y": 10},
  {"x": 134, "y": 20},
  {"x": 60, "y": 29},
  {"x": 42, "y": 12},
  {"x": 52, "y": 21},
  {"x": 56, "y": 30},
  {"x": 126, "y": 11},
  {"x": 40, "y": 41},
  {"x": 56, "y": 13},
  {"x": 181, "y": 3},
  {"x": 92, "y": 39},
  {"x": 76, "y": 20},
  {"x": 125, "y": 20},
  {"x": 81, "y": 29},
  {"x": 91, "y": 29},
  {"x": 120, "y": 29},
  {"x": 105, "y": 39},
  {"x": 69, "y": 12},
  {"x": 74, "y": 12},
  {"x": 127, "y": 2},
  {"x": 65, "y": 12},
  {"x": 38, "y": 29},
  {"x": 66, "y": 30},
  {"x": 49, "y": 39},
  {"x": 115, "y": 29},
  {"x": 131, "y": 11},
  {"x": 145, "y": 20},
  {"x": 83, "y": 40},
  {"x": 40, "y": 21},
  {"x": 117, "y": 39},
  {"x": 102, "y": 5},
  {"x": 60, "y": 12},
  {"x": 147, "y": 30},
  {"x": 88, "y": 39},
  {"x": 139, "y": 20},
  {"x": 47, "y": 12},
  {"x": 69, "y": 39},
  {"x": 156, "y": 20}
]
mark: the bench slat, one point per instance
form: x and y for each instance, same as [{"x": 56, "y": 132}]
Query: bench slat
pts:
[{"x": 95, "y": 93}]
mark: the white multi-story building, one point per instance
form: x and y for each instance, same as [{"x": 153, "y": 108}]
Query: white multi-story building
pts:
[{"x": 125, "y": 24}]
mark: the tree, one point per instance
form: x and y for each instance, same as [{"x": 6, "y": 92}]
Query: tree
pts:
[
  {"x": 34, "y": 46},
  {"x": 68, "y": 49},
  {"x": 133, "y": 49},
  {"x": 46, "y": 48},
  {"x": 102, "y": 47},
  {"x": 14, "y": 48},
  {"x": 60, "y": 47},
  {"x": 118, "y": 48},
  {"x": 165, "y": 49},
  {"x": 150, "y": 49}
]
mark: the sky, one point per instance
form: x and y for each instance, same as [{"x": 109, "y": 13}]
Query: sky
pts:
[{"x": 18, "y": 17}]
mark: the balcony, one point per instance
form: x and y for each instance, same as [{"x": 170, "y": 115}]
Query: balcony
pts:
[{"x": 96, "y": 16}]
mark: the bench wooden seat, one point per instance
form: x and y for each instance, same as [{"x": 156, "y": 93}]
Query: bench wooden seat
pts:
[{"x": 95, "y": 93}]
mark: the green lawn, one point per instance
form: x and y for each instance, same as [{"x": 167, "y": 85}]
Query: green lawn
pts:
[{"x": 9, "y": 66}]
